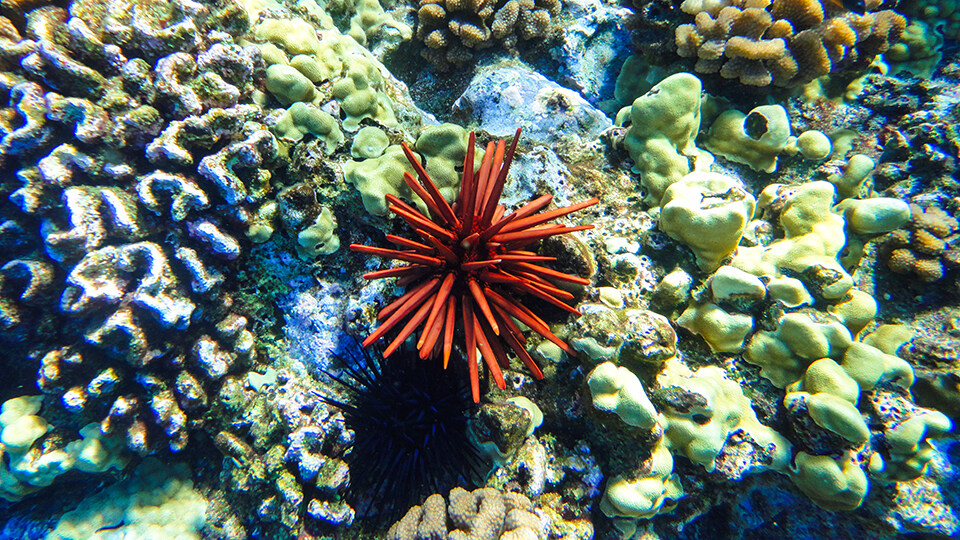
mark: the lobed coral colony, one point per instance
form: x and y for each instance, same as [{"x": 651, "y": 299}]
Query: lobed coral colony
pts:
[
  {"x": 783, "y": 42},
  {"x": 712, "y": 292}
]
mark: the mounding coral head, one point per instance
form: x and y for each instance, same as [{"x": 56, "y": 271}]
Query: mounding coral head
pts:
[{"x": 472, "y": 264}]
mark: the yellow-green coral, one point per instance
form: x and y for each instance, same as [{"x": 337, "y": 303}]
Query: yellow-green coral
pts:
[
  {"x": 369, "y": 142},
  {"x": 443, "y": 148},
  {"x": 26, "y": 466},
  {"x": 644, "y": 495},
  {"x": 723, "y": 331},
  {"x": 358, "y": 78},
  {"x": 707, "y": 212},
  {"x": 813, "y": 238},
  {"x": 360, "y": 93},
  {"x": 699, "y": 427},
  {"x": 376, "y": 177},
  {"x": 754, "y": 139},
  {"x": 832, "y": 484},
  {"x": 910, "y": 448},
  {"x": 617, "y": 390},
  {"x": 800, "y": 338},
  {"x": 319, "y": 238},
  {"x": 301, "y": 119}
]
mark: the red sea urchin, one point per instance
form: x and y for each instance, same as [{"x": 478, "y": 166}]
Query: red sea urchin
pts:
[{"x": 474, "y": 256}]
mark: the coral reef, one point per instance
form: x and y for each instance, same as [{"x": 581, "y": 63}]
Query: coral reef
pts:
[
  {"x": 281, "y": 446},
  {"x": 767, "y": 338},
  {"x": 132, "y": 351},
  {"x": 33, "y": 460},
  {"x": 156, "y": 501},
  {"x": 140, "y": 172},
  {"x": 452, "y": 30},
  {"x": 941, "y": 14},
  {"x": 782, "y": 42}
]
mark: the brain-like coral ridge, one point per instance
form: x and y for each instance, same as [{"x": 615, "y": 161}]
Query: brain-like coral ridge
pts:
[{"x": 782, "y": 42}]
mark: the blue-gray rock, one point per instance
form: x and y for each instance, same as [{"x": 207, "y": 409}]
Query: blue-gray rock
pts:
[
  {"x": 593, "y": 47},
  {"x": 502, "y": 97}
]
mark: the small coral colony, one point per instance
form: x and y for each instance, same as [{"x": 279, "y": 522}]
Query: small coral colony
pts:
[{"x": 641, "y": 269}]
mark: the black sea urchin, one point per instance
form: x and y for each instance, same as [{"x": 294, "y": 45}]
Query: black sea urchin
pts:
[{"x": 409, "y": 417}]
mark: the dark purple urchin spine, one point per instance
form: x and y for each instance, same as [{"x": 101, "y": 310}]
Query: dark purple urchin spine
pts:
[{"x": 410, "y": 422}]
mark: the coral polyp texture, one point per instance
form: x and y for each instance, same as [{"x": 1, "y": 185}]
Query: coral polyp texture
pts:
[
  {"x": 486, "y": 514},
  {"x": 473, "y": 267},
  {"x": 782, "y": 42},
  {"x": 927, "y": 247},
  {"x": 453, "y": 29},
  {"x": 111, "y": 143},
  {"x": 769, "y": 342}
]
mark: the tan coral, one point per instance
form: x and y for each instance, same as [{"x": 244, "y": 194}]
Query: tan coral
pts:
[
  {"x": 926, "y": 246},
  {"x": 453, "y": 29},
  {"x": 783, "y": 42},
  {"x": 933, "y": 219},
  {"x": 483, "y": 514},
  {"x": 800, "y": 13},
  {"x": 928, "y": 270}
]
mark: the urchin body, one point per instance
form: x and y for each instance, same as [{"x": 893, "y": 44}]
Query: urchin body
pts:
[{"x": 409, "y": 417}]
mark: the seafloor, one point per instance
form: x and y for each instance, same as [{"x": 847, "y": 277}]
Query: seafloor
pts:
[{"x": 746, "y": 326}]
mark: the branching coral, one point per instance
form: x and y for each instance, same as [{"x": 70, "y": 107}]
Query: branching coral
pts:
[
  {"x": 782, "y": 42},
  {"x": 927, "y": 246},
  {"x": 451, "y": 29},
  {"x": 484, "y": 514},
  {"x": 476, "y": 257}
]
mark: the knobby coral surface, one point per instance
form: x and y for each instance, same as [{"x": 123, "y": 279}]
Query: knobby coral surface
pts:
[
  {"x": 484, "y": 514},
  {"x": 451, "y": 29},
  {"x": 782, "y": 42},
  {"x": 927, "y": 246},
  {"x": 131, "y": 166}
]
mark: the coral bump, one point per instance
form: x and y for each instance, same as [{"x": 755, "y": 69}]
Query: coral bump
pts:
[{"x": 473, "y": 258}]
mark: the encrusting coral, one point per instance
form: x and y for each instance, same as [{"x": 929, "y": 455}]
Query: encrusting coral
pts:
[
  {"x": 452, "y": 29},
  {"x": 783, "y": 293},
  {"x": 31, "y": 457},
  {"x": 474, "y": 261},
  {"x": 782, "y": 42},
  {"x": 142, "y": 506}
]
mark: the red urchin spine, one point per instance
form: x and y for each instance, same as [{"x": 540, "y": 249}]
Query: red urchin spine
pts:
[{"x": 472, "y": 255}]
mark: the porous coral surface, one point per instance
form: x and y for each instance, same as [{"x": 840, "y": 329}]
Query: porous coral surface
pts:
[{"x": 782, "y": 42}]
